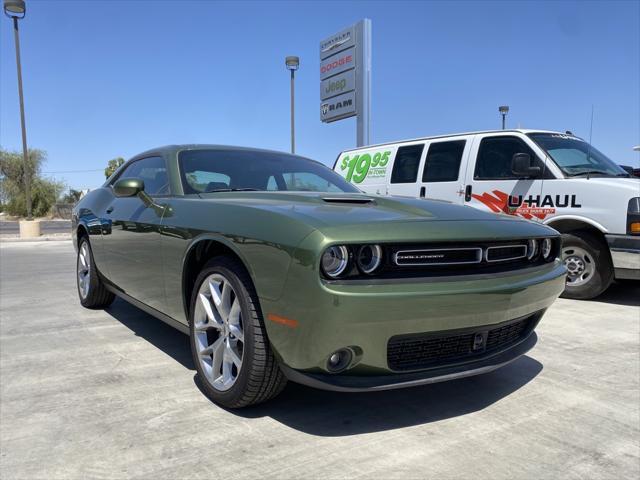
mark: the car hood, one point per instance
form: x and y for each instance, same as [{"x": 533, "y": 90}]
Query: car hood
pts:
[{"x": 353, "y": 215}]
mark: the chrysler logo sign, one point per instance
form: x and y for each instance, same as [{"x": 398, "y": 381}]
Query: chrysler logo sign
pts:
[{"x": 335, "y": 43}]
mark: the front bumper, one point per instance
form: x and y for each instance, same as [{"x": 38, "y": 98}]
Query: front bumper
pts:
[
  {"x": 349, "y": 383},
  {"x": 365, "y": 316},
  {"x": 625, "y": 255}
]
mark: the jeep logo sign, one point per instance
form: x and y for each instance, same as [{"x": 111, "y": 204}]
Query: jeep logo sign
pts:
[
  {"x": 338, "y": 84},
  {"x": 345, "y": 77}
]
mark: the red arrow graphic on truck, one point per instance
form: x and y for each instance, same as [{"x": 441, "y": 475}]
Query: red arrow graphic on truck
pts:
[{"x": 499, "y": 201}]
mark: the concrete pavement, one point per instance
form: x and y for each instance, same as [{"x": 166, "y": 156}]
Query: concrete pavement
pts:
[{"x": 112, "y": 394}]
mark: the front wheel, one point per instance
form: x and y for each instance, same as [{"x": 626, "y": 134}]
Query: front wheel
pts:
[
  {"x": 230, "y": 349},
  {"x": 91, "y": 289},
  {"x": 589, "y": 267}
]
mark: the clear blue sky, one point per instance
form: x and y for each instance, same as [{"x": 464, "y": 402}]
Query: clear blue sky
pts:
[{"x": 113, "y": 78}]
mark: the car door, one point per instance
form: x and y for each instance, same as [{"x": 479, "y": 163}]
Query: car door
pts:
[
  {"x": 490, "y": 183},
  {"x": 443, "y": 170},
  {"x": 132, "y": 245},
  {"x": 404, "y": 173}
]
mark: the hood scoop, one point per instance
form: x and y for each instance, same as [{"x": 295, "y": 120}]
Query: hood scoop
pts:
[{"x": 349, "y": 200}]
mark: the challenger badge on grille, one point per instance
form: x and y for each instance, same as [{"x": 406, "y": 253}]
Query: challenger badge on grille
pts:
[{"x": 438, "y": 256}]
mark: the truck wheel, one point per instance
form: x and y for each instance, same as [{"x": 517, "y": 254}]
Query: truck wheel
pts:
[
  {"x": 230, "y": 348},
  {"x": 589, "y": 268},
  {"x": 91, "y": 289}
]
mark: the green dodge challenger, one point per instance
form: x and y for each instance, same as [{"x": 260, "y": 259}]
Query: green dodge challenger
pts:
[{"x": 278, "y": 269}]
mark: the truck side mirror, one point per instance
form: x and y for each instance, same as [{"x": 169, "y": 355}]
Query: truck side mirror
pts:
[{"x": 521, "y": 166}]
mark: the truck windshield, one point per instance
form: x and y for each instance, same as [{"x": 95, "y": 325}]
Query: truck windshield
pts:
[
  {"x": 575, "y": 157},
  {"x": 208, "y": 171}
]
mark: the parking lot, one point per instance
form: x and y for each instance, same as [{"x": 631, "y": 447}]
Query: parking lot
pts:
[{"x": 91, "y": 394}]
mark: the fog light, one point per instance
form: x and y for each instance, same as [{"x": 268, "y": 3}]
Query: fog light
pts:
[{"x": 339, "y": 360}]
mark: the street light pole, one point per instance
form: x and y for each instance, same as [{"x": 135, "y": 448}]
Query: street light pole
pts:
[
  {"x": 15, "y": 9},
  {"x": 293, "y": 112},
  {"x": 503, "y": 109},
  {"x": 292, "y": 64}
]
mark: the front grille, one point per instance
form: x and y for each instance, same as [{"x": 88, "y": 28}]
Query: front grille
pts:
[
  {"x": 506, "y": 334},
  {"x": 439, "y": 256},
  {"x": 505, "y": 253},
  {"x": 413, "y": 352}
]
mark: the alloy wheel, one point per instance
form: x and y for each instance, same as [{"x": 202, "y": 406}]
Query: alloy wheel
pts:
[
  {"x": 218, "y": 332},
  {"x": 84, "y": 270}
]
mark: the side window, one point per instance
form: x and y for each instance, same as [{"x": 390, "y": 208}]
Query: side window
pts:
[
  {"x": 443, "y": 161},
  {"x": 151, "y": 170},
  {"x": 272, "y": 184},
  {"x": 405, "y": 167},
  {"x": 494, "y": 157}
]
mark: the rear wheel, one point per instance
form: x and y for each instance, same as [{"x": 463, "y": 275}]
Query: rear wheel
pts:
[
  {"x": 229, "y": 344},
  {"x": 589, "y": 268},
  {"x": 91, "y": 289}
]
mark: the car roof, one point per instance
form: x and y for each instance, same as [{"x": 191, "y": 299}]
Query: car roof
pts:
[
  {"x": 172, "y": 149},
  {"x": 513, "y": 130}
]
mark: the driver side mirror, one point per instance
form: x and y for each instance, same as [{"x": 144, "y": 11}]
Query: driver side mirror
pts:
[
  {"x": 521, "y": 166},
  {"x": 132, "y": 187},
  {"x": 128, "y": 187}
]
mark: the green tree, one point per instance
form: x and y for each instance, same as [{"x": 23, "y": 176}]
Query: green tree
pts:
[
  {"x": 72, "y": 196},
  {"x": 13, "y": 173},
  {"x": 112, "y": 166}
]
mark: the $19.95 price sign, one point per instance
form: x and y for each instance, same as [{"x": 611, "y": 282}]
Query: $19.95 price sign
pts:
[{"x": 365, "y": 165}]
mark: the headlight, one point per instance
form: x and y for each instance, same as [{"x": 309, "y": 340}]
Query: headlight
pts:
[
  {"x": 546, "y": 248},
  {"x": 369, "y": 258},
  {"x": 532, "y": 248},
  {"x": 335, "y": 260}
]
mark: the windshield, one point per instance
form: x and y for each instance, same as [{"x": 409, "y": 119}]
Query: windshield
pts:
[
  {"x": 205, "y": 171},
  {"x": 575, "y": 156}
]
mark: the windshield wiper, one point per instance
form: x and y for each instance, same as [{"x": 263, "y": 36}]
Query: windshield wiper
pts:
[
  {"x": 589, "y": 172},
  {"x": 232, "y": 190}
]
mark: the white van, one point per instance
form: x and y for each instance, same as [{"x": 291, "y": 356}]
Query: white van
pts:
[{"x": 544, "y": 176}]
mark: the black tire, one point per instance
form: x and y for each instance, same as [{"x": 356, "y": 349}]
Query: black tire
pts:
[
  {"x": 598, "y": 253},
  {"x": 97, "y": 296},
  {"x": 260, "y": 378}
]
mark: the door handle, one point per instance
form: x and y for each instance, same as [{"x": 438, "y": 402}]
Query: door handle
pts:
[
  {"x": 467, "y": 193},
  {"x": 110, "y": 209},
  {"x": 422, "y": 192}
]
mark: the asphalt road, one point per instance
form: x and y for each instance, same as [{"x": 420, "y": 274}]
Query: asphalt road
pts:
[
  {"x": 46, "y": 226},
  {"x": 97, "y": 394}
]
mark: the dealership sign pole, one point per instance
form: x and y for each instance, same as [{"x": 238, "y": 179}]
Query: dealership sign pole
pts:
[{"x": 345, "y": 77}]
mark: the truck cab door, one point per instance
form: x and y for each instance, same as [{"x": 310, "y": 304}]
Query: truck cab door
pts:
[
  {"x": 443, "y": 171},
  {"x": 490, "y": 183}
]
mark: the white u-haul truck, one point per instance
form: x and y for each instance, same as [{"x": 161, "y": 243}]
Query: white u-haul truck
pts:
[{"x": 544, "y": 176}]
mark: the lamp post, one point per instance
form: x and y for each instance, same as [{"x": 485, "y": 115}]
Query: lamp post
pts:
[
  {"x": 292, "y": 64},
  {"x": 16, "y": 9},
  {"x": 503, "y": 109}
]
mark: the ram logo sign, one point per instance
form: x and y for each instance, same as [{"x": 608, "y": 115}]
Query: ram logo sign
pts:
[{"x": 342, "y": 106}]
